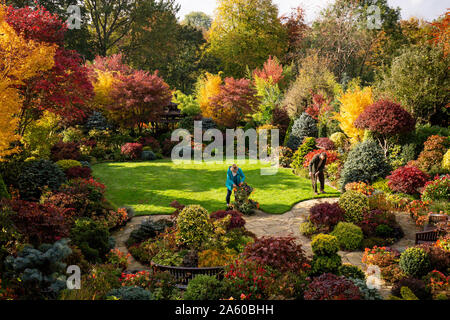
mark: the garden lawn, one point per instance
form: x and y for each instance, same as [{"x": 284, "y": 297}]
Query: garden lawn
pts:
[{"x": 150, "y": 187}]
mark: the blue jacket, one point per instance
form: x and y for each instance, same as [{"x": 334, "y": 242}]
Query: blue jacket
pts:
[{"x": 237, "y": 179}]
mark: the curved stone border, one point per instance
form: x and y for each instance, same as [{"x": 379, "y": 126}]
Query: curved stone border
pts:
[{"x": 264, "y": 224}]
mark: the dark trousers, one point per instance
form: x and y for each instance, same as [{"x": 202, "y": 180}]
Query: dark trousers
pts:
[
  {"x": 321, "y": 177},
  {"x": 228, "y": 196}
]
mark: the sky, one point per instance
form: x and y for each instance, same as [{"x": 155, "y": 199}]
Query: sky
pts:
[{"x": 425, "y": 9}]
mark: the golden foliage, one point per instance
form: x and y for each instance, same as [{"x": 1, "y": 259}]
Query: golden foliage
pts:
[
  {"x": 208, "y": 87},
  {"x": 353, "y": 103},
  {"x": 20, "y": 60}
]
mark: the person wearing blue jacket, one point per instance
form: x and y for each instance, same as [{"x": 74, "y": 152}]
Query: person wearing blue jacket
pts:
[{"x": 235, "y": 176}]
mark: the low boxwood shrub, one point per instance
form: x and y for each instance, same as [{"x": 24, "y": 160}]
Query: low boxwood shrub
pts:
[
  {"x": 325, "y": 264},
  {"x": 351, "y": 272},
  {"x": 326, "y": 214},
  {"x": 365, "y": 162},
  {"x": 354, "y": 205},
  {"x": 417, "y": 287},
  {"x": 407, "y": 179},
  {"x": 324, "y": 244},
  {"x": 415, "y": 262},
  {"x": 130, "y": 293},
  {"x": 350, "y": 236},
  {"x": 36, "y": 175},
  {"x": 92, "y": 238},
  {"x": 204, "y": 287},
  {"x": 236, "y": 221},
  {"x": 67, "y": 164},
  {"x": 331, "y": 287},
  {"x": 280, "y": 253}
]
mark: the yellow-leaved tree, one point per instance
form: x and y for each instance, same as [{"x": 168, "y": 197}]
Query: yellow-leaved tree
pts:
[
  {"x": 353, "y": 102},
  {"x": 208, "y": 87},
  {"x": 20, "y": 60},
  {"x": 103, "y": 84}
]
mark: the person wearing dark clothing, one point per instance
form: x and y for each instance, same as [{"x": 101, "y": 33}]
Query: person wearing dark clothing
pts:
[{"x": 316, "y": 167}]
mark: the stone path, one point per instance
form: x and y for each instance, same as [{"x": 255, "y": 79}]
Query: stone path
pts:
[{"x": 264, "y": 224}]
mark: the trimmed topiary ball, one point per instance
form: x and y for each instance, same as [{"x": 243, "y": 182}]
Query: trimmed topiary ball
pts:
[
  {"x": 326, "y": 264},
  {"x": 366, "y": 163},
  {"x": 194, "y": 226},
  {"x": 304, "y": 126},
  {"x": 354, "y": 205},
  {"x": 130, "y": 293},
  {"x": 325, "y": 245},
  {"x": 350, "y": 236},
  {"x": 67, "y": 164},
  {"x": 415, "y": 262}
]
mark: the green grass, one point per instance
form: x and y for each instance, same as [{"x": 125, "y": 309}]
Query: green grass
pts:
[{"x": 149, "y": 187}]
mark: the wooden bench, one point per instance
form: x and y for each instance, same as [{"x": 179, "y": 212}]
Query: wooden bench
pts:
[{"x": 430, "y": 236}]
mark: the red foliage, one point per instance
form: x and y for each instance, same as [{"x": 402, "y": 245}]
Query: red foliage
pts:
[
  {"x": 65, "y": 88},
  {"x": 139, "y": 98},
  {"x": 236, "y": 99},
  {"x": 296, "y": 28},
  {"x": 272, "y": 69},
  {"x": 326, "y": 214},
  {"x": 332, "y": 156},
  {"x": 325, "y": 143},
  {"x": 281, "y": 120},
  {"x": 407, "y": 179},
  {"x": 132, "y": 150},
  {"x": 386, "y": 118},
  {"x": 319, "y": 106},
  {"x": 441, "y": 32},
  {"x": 65, "y": 151},
  {"x": 78, "y": 172},
  {"x": 281, "y": 253},
  {"x": 331, "y": 287},
  {"x": 236, "y": 221},
  {"x": 113, "y": 63},
  {"x": 37, "y": 24},
  {"x": 41, "y": 223}
]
